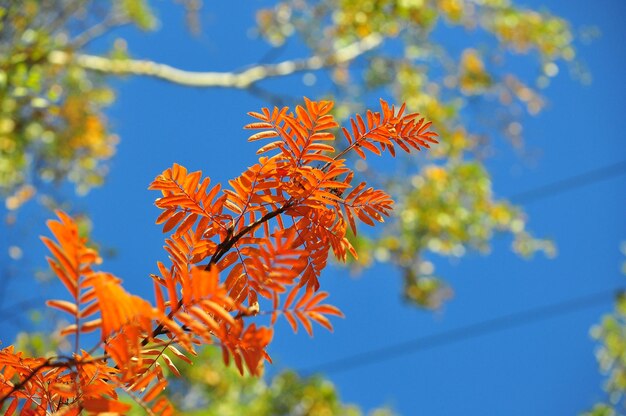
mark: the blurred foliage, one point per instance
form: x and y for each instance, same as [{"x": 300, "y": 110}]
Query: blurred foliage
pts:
[
  {"x": 602, "y": 409},
  {"x": 516, "y": 28},
  {"x": 448, "y": 205},
  {"x": 611, "y": 355},
  {"x": 445, "y": 211},
  {"x": 52, "y": 125},
  {"x": 39, "y": 344},
  {"x": 208, "y": 388}
]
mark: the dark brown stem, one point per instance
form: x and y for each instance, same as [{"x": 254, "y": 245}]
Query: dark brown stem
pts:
[
  {"x": 228, "y": 243},
  {"x": 22, "y": 383},
  {"x": 70, "y": 362},
  {"x": 222, "y": 249}
]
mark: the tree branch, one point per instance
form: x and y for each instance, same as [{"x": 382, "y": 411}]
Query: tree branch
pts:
[
  {"x": 229, "y": 242},
  {"x": 98, "y": 30},
  {"x": 241, "y": 79},
  {"x": 221, "y": 249},
  {"x": 65, "y": 362}
]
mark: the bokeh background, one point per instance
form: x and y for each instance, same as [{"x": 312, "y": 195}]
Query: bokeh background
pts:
[{"x": 515, "y": 336}]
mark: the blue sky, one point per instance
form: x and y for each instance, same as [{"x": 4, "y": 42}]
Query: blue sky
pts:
[{"x": 545, "y": 367}]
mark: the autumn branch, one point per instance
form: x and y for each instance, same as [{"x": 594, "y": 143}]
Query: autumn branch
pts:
[
  {"x": 63, "y": 362},
  {"x": 228, "y": 243},
  {"x": 242, "y": 79}
]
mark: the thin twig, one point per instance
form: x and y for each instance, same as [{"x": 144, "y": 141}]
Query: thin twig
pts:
[
  {"x": 67, "y": 363},
  {"x": 98, "y": 30}
]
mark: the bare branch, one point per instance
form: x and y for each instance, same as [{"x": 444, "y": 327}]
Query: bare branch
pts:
[
  {"x": 242, "y": 79},
  {"x": 99, "y": 29}
]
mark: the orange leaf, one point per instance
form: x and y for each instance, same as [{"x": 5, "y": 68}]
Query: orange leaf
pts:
[
  {"x": 170, "y": 365},
  {"x": 105, "y": 405},
  {"x": 63, "y": 305},
  {"x": 263, "y": 135},
  {"x": 175, "y": 219},
  {"x": 155, "y": 390}
]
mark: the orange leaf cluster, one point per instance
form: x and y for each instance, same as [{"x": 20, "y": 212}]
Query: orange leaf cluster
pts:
[{"x": 233, "y": 254}]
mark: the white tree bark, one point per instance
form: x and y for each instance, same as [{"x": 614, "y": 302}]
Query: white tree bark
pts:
[{"x": 242, "y": 79}]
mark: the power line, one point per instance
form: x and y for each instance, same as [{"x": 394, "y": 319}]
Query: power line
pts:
[
  {"x": 460, "y": 334},
  {"x": 573, "y": 182},
  {"x": 496, "y": 324}
]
